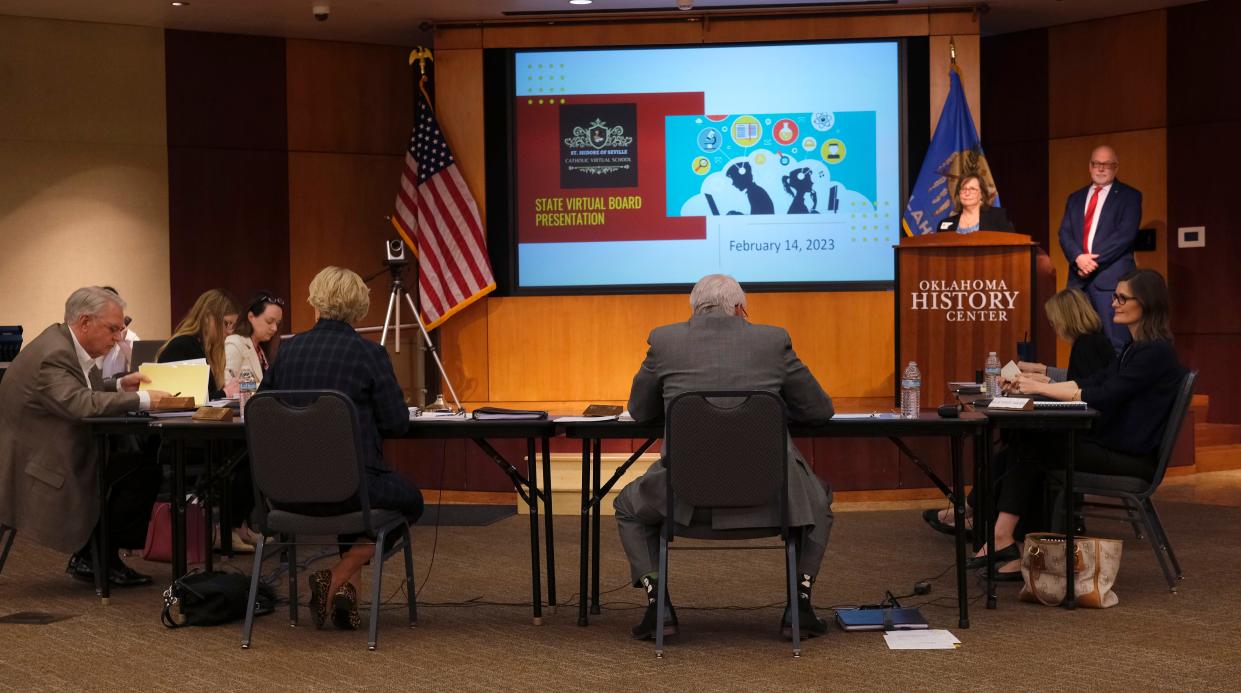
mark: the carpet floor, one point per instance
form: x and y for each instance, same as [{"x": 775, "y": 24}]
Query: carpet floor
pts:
[{"x": 475, "y": 632}]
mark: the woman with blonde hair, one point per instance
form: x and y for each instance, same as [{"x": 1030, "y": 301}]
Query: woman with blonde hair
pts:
[
  {"x": 333, "y": 356},
  {"x": 1075, "y": 321},
  {"x": 201, "y": 335}
]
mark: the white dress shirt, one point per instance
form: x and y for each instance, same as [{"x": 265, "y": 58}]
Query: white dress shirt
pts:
[
  {"x": 86, "y": 363},
  {"x": 1098, "y": 212},
  {"x": 117, "y": 360}
]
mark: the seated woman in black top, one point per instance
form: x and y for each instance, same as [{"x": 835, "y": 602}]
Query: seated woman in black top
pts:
[
  {"x": 201, "y": 335},
  {"x": 333, "y": 356},
  {"x": 1074, "y": 320},
  {"x": 972, "y": 210},
  {"x": 1133, "y": 396}
]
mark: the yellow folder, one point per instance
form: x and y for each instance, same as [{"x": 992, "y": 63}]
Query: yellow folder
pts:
[{"x": 189, "y": 379}]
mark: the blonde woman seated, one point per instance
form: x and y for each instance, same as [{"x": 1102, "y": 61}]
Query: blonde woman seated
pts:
[
  {"x": 253, "y": 341},
  {"x": 333, "y": 356},
  {"x": 1075, "y": 321}
]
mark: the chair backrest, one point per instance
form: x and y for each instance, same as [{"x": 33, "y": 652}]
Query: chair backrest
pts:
[
  {"x": 304, "y": 447},
  {"x": 727, "y": 449},
  {"x": 1172, "y": 429}
]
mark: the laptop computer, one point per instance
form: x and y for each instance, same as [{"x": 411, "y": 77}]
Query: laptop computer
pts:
[
  {"x": 880, "y": 619},
  {"x": 144, "y": 352}
]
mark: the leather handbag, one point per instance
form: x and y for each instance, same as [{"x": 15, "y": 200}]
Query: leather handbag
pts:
[
  {"x": 213, "y": 598},
  {"x": 1095, "y": 565},
  {"x": 159, "y": 533}
]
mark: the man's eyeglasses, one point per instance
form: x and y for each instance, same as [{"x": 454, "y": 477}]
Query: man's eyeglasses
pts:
[
  {"x": 1121, "y": 299},
  {"x": 1103, "y": 164}
]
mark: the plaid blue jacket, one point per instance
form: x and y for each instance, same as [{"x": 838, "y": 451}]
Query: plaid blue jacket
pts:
[{"x": 333, "y": 356}]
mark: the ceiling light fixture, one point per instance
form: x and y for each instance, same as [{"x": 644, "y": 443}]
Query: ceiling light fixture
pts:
[
  {"x": 580, "y": 2},
  {"x": 180, "y": 3}
]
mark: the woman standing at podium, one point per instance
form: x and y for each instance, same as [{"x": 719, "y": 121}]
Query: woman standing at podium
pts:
[{"x": 972, "y": 211}]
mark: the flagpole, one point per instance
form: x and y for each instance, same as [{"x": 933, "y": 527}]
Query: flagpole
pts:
[{"x": 421, "y": 55}]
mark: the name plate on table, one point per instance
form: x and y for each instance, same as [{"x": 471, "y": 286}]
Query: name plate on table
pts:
[{"x": 1012, "y": 403}]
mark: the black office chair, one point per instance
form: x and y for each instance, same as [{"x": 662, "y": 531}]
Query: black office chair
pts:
[
  {"x": 726, "y": 450},
  {"x": 1134, "y": 493},
  {"x": 305, "y": 448}
]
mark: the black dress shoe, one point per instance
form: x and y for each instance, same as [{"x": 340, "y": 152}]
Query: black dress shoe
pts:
[
  {"x": 1011, "y": 552},
  {"x": 808, "y": 622},
  {"x": 119, "y": 575},
  {"x": 932, "y": 518},
  {"x": 646, "y": 629}
]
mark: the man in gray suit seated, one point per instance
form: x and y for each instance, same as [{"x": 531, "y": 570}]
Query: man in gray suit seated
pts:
[{"x": 719, "y": 349}]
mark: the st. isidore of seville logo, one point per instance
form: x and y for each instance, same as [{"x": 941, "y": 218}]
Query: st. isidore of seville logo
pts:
[
  {"x": 965, "y": 300},
  {"x": 599, "y": 145}
]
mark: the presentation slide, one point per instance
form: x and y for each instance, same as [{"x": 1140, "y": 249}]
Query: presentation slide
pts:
[{"x": 772, "y": 163}]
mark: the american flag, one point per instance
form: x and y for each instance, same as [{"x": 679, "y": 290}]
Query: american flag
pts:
[{"x": 436, "y": 215}]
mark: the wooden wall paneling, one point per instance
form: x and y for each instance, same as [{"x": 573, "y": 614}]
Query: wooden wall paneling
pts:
[
  {"x": 1213, "y": 356},
  {"x": 968, "y": 53},
  {"x": 937, "y": 454},
  {"x": 615, "y": 32},
  {"x": 337, "y": 208},
  {"x": 1014, "y": 91},
  {"x": 1020, "y": 172},
  {"x": 482, "y": 474},
  {"x": 1202, "y": 44},
  {"x": 588, "y": 347},
  {"x": 225, "y": 90},
  {"x": 464, "y": 350},
  {"x": 845, "y": 338},
  {"x": 949, "y": 23},
  {"x": 826, "y": 26},
  {"x": 458, "y": 37},
  {"x": 1202, "y": 192},
  {"x": 1108, "y": 75},
  {"x": 459, "y": 109},
  {"x": 228, "y": 219},
  {"x": 572, "y": 347},
  {"x": 1143, "y": 157},
  {"x": 853, "y": 464},
  {"x": 348, "y": 97}
]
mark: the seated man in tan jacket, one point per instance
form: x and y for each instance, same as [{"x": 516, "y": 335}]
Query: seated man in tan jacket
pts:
[{"x": 47, "y": 460}]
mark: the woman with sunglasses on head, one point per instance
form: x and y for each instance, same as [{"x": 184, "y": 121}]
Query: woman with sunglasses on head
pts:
[
  {"x": 972, "y": 210},
  {"x": 254, "y": 340},
  {"x": 1133, "y": 395}
]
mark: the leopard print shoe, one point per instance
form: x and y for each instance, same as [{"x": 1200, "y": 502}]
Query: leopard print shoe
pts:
[
  {"x": 320, "y": 582},
  {"x": 345, "y": 608}
]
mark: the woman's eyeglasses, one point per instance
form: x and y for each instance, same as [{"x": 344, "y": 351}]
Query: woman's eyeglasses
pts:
[
  {"x": 1121, "y": 299},
  {"x": 263, "y": 300}
]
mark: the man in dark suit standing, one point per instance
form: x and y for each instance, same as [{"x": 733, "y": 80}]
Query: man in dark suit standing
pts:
[
  {"x": 719, "y": 349},
  {"x": 1097, "y": 234}
]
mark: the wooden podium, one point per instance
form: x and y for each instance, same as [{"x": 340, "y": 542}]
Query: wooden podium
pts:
[{"x": 959, "y": 296}]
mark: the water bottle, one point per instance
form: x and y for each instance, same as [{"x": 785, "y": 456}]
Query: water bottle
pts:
[
  {"x": 911, "y": 391},
  {"x": 247, "y": 386},
  {"x": 991, "y": 375}
]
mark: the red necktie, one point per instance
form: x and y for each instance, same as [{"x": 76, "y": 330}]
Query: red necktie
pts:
[{"x": 1094, "y": 201}]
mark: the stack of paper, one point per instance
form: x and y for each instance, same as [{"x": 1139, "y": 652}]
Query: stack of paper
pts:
[
  {"x": 178, "y": 378},
  {"x": 921, "y": 640}
]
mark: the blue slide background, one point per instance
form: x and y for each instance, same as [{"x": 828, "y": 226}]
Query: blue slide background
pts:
[{"x": 858, "y": 83}]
